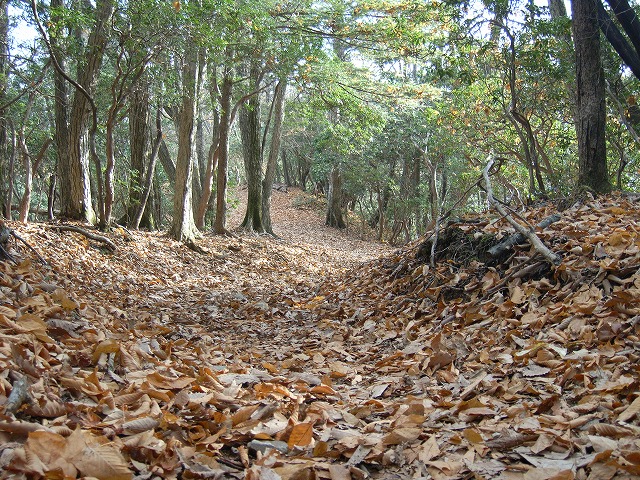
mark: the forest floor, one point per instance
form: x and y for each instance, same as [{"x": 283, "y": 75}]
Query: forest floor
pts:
[{"x": 322, "y": 354}]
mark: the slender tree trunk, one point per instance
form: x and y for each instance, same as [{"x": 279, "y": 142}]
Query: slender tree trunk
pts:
[
  {"x": 212, "y": 158},
  {"x": 10, "y": 172},
  {"x": 591, "y": 112},
  {"x": 81, "y": 141},
  {"x": 61, "y": 110},
  {"x": 25, "y": 202},
  {"x": 223, "y": 154},
  {"x": 200, "y": 160},
  {"x": 138, "y": 142},
  {"x": 286, "y": 169},
  {"x": 109, "y": 171},
  {"x": 168, "y": 165},
  {"x": 557, "y": 8},
  {"x": 148, "y": 181},
  {"x": 4, "y": 81},
  {"x": 51, "y": 196},
  {"x": 274, "y": 150},
  {"x": 252, "y": 153},
  {"x": 334, "y": 200},
  {"x": 184, "y": 228},
  {"x": 207, "y": 187}
]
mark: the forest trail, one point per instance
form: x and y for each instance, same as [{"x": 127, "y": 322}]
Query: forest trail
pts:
[
  {"x": 298, "y": 219},
  {"x": 231, "y": 289},
  {"x": 305, "y": 357}
]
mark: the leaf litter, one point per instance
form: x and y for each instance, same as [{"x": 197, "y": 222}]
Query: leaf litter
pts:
[{"x": 339, "y": 359}]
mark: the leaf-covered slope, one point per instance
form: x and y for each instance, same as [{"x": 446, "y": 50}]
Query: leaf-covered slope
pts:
[{"x": 157, "y": 361}]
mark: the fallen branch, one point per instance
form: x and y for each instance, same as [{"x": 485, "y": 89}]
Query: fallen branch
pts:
[
  {"x": 516, "y": 239},
  {"x": 98, "y": 238},
  {"x": 529, "y": 234},
  {"x": 18, "y": 237},
  {"x": 18, "y": 396}
]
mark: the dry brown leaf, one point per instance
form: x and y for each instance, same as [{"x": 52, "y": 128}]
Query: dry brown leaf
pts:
[
  {"x": 95, "y": 457},
  {"x": 402, "y": 435},
  {"x": 139, "y": 425},
  {"x": 107, "y": 346},
  {"x": 631, "y": 411},
  {"x": 301, "y": 435}
]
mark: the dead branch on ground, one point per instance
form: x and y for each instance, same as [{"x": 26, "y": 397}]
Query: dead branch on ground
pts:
[
  {"x": 98, "y": 238},
  {"x": 529, "y": 234}
]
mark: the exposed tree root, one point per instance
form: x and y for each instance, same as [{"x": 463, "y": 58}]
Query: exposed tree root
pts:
[{"x": 98, "y": 238}]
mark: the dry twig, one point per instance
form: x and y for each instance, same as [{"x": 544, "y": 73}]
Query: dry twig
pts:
[{"x": 529, "y": 234}]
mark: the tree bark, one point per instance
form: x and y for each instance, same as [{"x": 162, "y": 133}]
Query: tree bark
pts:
[
  {"x": 61, "y": 114},
  {"x": 334, "y": 200},
  {"x": 620, "y": 44},
  {"x": 223, "y": 153},
  {"x": 25, "y": 202},
  {"x": 82, "y": 142},
  {"x": 252, "y": 153},
  {"x": 168, "y": 165},
  {"x": 148, "y": 181},
  {"x": 212, "y": 157},
  {"x": 557, "y": 8},
  {"x": 4, "y": 81},
  {"x": 139, "y": 147},
  {"x": 274, "y": 150},
  {"x": 184, "y": 228},
  {"x": 10, "y": 170},
  {"x": 590, "y": 98}
]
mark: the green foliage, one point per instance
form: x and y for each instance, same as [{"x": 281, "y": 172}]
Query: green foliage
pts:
[{"x": 403, "y": 95}]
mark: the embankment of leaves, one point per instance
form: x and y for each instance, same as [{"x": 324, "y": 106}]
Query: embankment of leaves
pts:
[{"x": 521, "y": 370}]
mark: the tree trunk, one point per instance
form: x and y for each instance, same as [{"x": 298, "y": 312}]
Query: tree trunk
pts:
[
  {"x": 223, "y": 154},
  {"x": 334, "y": 200},
  {"x": 168, "y": 165},
  {"x": 4, "y": 81},
  {"x": 274, "y": 149},
  {"x": 25, "y": 202},
  {"x": 591, "y": 113},
  {"x": 252, "y": 153},
  {"x": 212, "y": 157},
  {"x": 61, "y": 111},
  {"x": 286, "y": 169},
  {"x": 557, "y": 8},
  {"x": 148, "y": 181},
  {"x": 51, "y": 196},
  {"x": 138, "y": 144},
  {"x": 109, "y": 171},
  {"x": 207, "y": 187},
  {"x": 183, "y": 227},
  {"x": 78, "y": 203},
  {"x": 10, "y": 171}
]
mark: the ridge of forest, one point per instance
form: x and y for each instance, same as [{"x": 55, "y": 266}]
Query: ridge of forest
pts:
[{"x": 294, "y": 358}]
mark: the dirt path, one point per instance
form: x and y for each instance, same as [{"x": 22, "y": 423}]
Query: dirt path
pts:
[
  {"x": 153, "y": 277},
  {"x": 298, "y": 219}
]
